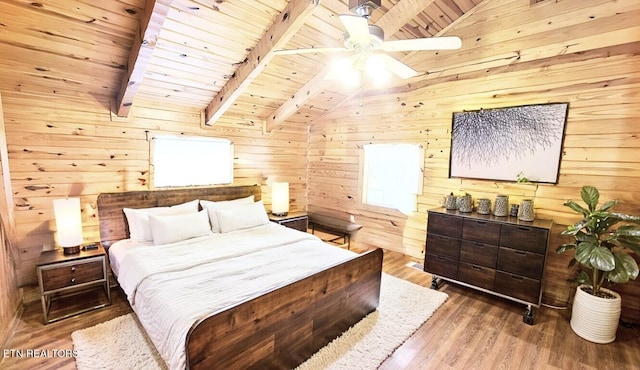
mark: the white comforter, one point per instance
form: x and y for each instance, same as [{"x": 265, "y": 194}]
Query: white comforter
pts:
[{"x": 173, "y": 285}]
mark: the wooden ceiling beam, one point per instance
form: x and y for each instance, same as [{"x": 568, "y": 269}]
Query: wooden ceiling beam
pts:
[
  {"x": 391, "y": 22},
  {"x": 155, "y": 13},
  {"x": 283, "y": 29}
]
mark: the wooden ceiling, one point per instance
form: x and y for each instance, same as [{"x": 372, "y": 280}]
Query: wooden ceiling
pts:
[{"x": 214, "y": 55}]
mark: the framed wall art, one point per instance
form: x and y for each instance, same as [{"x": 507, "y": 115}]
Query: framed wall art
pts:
[{"x": 508, "y": 143}]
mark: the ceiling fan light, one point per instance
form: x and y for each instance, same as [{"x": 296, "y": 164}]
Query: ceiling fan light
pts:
[
  {"x": 344, "y": 70},
  {"x": 375, "y": 66}
]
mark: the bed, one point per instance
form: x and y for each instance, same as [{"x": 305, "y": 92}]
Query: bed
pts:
[{"x": 286, "y": 294}]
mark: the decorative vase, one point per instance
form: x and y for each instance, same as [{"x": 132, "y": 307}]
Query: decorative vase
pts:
[
  {"x": 526, "y": 210},
  {"x": 465, "y": 204},
  {"x": 501, "y": 207},
  {"x": 450, "y": 201},
  {"x": 594, "y": 318},
  {"x": 484, "y": 206}
]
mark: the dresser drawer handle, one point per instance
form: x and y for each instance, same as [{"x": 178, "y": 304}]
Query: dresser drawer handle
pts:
[
  {"x": 73, "y": 280},
  {"x": 479, "y": 245},
  {"x": 515, "y": 277},
  {"x": 524, "y": 228},
  {"x": 73, "y": 269},
  {"x": 476, "y": 267},
  {"x": 522, "y": 253},
  {"x": 481, "y": 222}
]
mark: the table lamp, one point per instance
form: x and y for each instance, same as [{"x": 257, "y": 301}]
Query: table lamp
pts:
[{"x": 68, "y": 224}]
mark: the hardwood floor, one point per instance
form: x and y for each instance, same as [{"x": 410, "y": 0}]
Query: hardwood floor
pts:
[{"x": 471, "y": 330}]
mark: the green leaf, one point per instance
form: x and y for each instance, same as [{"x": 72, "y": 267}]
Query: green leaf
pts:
[
  {"x": 608, "y": 205},
  {"x": 577, "y": 208},
  {"x": 583, "y": 253},
  {"x": 626, "y": 269},
  {"x": 583, "y": 278},
  {"x": 565, "y": 247},
  {"x": 627, "y": 218},
  {"x": 602, "y": 259},
  {"x": 590, "y": 195},
  {"x": 630, "y": 265},
  {"x": 629, "y": 242}
]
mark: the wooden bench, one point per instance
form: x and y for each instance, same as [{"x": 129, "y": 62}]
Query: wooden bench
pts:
[{"x": 343, "y": 229}]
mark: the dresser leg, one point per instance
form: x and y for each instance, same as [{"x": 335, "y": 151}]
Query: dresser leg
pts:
[
  {"x": 435, "y": 282},
  {"x": 528, "y": 315}
]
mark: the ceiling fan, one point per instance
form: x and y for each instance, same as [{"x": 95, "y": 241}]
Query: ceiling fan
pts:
[{"x": 366, "y": 40}]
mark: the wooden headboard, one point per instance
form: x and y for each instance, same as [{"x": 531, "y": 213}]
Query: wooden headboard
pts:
[{"x": 113, "y": 223}]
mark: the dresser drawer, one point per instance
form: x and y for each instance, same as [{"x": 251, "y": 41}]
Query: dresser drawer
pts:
[
  {"x": 518, "y": 286},
  {"x": 441, "y": 266},
  {"x": 525, "y": 238},
  {"x": 479, "y": 253},
  {"x": 480, "y": 276},
  {"x": 481, "y": 231},
  {"x": 72, "y": 274},
  {"x": 443, "y": 246},
  {"x": 520, "y": 262},
  {"x": 444, "y": 224}
]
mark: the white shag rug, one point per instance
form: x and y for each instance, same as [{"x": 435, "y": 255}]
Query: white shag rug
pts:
[{"x": 122, "y": 344}]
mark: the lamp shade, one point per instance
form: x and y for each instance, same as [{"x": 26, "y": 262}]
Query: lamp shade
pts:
[
  {"x": 68, "y": 222},
  {"x": 280, "y": 198}
]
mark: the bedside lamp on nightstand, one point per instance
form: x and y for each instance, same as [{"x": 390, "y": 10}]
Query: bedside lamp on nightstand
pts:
[
  {"x": 68, "y": 224},
  {"x": 280, "y": 198}
]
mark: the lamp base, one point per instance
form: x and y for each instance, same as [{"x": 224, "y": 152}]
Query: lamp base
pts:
[
  {"x": 71, "y": 250},
  {"x": 280, "y": 214}
]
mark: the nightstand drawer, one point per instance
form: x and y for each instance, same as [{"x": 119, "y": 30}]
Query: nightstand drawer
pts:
[
  {"x": 298, "y": 224},
  {"x": 72, "y": 274},
  {"x": 295, "y": 220}
]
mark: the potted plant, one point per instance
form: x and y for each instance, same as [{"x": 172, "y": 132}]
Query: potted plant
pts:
[{"x": 601, "y": 250}]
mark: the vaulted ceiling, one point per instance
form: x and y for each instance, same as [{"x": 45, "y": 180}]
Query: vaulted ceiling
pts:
[{"x": 214, "y": 55}]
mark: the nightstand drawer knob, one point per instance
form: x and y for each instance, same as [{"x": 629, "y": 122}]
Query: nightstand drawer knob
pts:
[
  {"x": 73, "y": 269},
  {"x": 73, "y": 280}
]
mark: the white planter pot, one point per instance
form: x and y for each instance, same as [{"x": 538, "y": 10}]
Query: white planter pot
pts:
[{"x": 596, "y": 319}]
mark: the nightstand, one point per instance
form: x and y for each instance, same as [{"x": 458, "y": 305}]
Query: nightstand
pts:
[
  {"x": 61, "y": 276},
  {"x": 294, "y": 220}
]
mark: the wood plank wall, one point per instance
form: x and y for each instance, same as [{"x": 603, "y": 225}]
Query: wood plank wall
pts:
[
  {"x": 514, "y": 52},
  {"x": 70, "y": 146},
  {"x": 10, "y": 294}
]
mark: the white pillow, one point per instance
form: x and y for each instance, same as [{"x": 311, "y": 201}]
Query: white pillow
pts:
[
  {"x": 212, "y": 207},
  {"x": 138, "y": 218},
  {"x": 174, "y": 228},
  {"x": 242, "y": 217}
]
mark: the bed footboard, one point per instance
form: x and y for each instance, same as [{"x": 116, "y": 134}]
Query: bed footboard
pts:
[{"x": 282, "y": 328}]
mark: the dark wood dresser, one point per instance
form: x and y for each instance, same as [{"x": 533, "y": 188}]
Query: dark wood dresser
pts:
[{"x": 499, "y": 255}]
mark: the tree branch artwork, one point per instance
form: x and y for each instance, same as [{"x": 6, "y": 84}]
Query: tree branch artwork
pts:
[{"x": 508, "y": 143}]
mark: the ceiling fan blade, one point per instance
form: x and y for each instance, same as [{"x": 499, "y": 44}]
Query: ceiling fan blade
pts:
[
  {"x": 356, "y": 26},
  {"x": 308, "y": 51},
  {"x": 397, "y": 67},
  {"x": 432, "y": 43}
]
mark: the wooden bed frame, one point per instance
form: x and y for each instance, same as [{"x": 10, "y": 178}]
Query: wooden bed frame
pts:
[{"x": 279, "y": 329}]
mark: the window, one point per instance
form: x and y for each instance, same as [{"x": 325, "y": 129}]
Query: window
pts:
[
  {"x": 392, "y": 175},
  {"x": 189, "y": 161}
]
